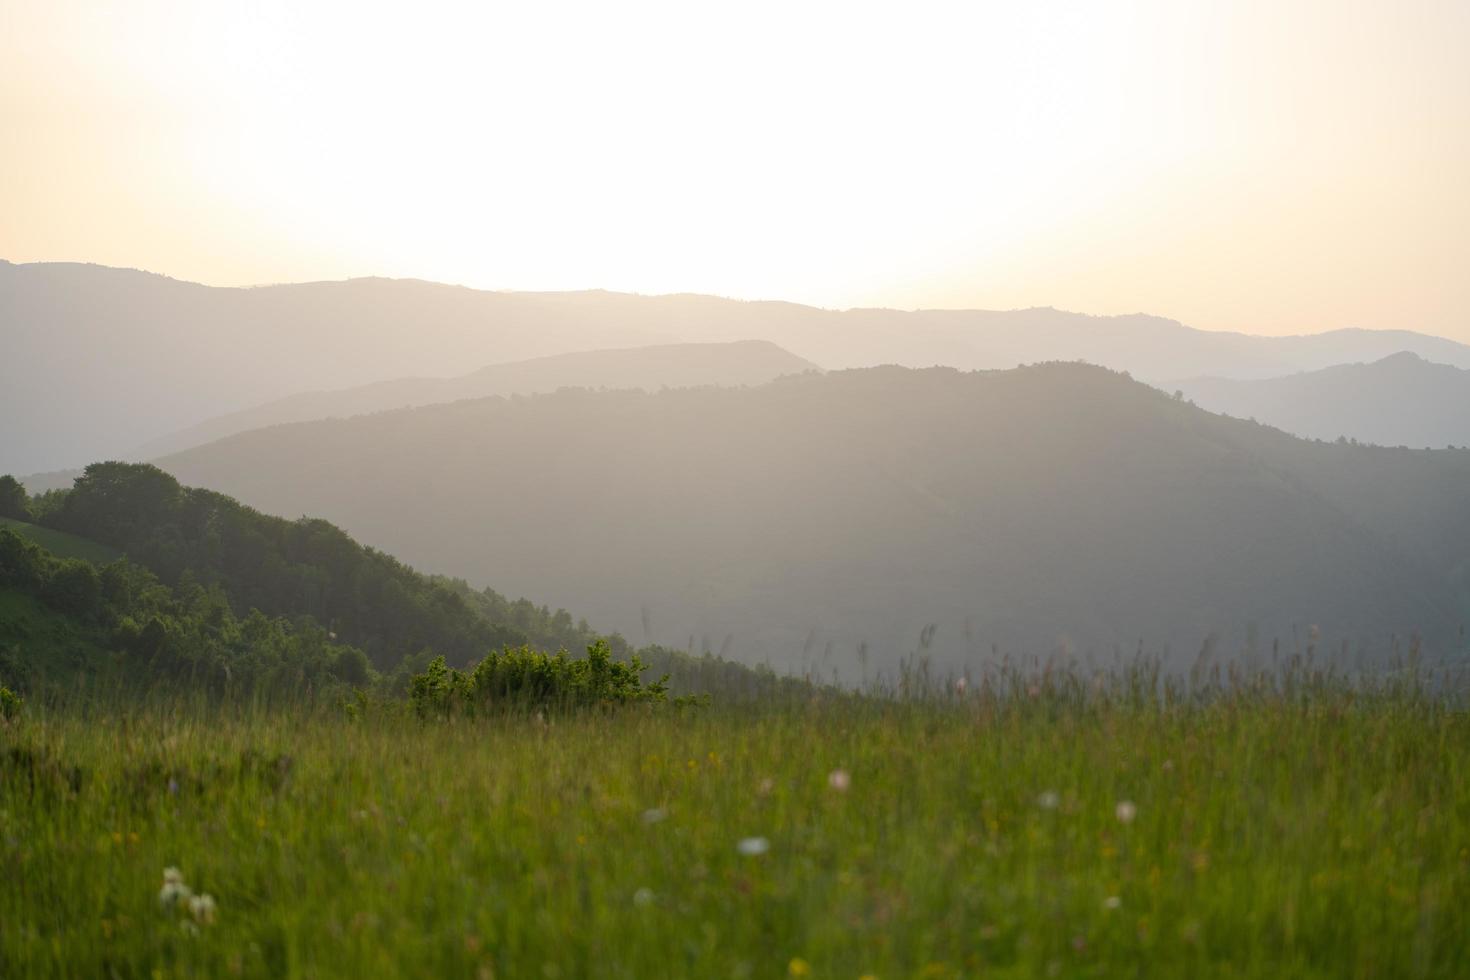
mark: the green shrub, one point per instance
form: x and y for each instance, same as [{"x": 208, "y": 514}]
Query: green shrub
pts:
[
  {"x": 523, "y": 677},
  {"x": 74, "y": 588},
  {"x": 10, "y": 704}
]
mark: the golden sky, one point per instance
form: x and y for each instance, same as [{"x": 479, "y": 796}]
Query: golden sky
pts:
[{"x": 1275, "y": 167}]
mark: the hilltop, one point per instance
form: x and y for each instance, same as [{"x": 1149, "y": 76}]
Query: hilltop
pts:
[{"x": 1401, "y": 400}]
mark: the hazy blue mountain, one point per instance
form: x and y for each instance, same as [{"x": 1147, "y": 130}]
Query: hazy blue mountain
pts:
[
  {"x": 101, "y": 361},
  {"x": 746, "y": 362},
  {"x": 1053, "y": 506},
  {"x": 1401, "y": 400}
]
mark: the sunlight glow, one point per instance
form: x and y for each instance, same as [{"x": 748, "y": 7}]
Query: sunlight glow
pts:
[{"x": 1267, "y": 167}]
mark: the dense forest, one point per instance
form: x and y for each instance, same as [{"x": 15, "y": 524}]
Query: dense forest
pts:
[{"x": 68, "y": 623}]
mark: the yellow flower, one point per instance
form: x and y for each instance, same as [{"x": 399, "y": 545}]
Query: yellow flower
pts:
[{"x": 799, "y": 967}]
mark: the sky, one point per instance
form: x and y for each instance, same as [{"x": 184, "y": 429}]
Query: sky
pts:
[{"x": 1274, "y": 167}]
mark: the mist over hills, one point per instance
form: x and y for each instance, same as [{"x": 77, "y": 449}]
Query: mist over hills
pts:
[
  {"x": 808, "y": 519},
  {"x": 1401, "y": 400},
  {"x": 747, "y": 362},
  {"x": 103, "y": 360}
]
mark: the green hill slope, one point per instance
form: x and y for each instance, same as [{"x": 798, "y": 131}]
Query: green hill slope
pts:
[
  {"x": 65, "y": 623},
  {"x": 297, "y": 568},
  {"x": 60, "y": 543}
]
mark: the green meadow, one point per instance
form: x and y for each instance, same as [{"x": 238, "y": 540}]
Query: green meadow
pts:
[
  {"x": 61, "y": 544},
  {"x": 1063, "y": 826}
]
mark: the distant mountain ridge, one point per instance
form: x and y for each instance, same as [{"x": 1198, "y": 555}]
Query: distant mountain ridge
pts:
[
  {"x": 746, "y": 362},
  {"x": 104, "y": 360},
  {"x": 1056, "y": 506},
  {"x": 1401, "y": 400}
]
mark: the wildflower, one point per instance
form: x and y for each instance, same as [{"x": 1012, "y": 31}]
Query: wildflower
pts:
[
  {"x": 799, "y": 967},
  {"x": 1125, "y": 811},
  {"x": 1048, "y": 800},
  {"x": 753, "y": 846},
  {"x": 655, "y": 815},
  {"x": 174, "y": 890},
  {"x": 201, "y": 907},
  {"x": 643, "y": 897},
  {"x": 839, "y": 779},
  {"x": 765, "y": 786},
  {"x": 1112, "y": 902},
  {"x": 960, "y": 684}
]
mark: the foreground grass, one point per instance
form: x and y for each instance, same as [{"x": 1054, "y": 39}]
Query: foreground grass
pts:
[{"x": 1321, "y": 834}]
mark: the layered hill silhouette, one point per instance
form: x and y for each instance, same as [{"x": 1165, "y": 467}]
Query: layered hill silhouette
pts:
[
  {"x": 748, "y": 362},
  {"x": 1401, "y": 400},
  {"x": 142, "y": 356},
  {"x": 843, "y": 520}
]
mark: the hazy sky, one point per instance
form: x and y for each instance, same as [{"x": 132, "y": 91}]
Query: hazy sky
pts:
[{"x": 1274, "y": 167}]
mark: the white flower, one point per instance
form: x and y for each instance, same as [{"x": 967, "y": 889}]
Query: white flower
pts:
[
  {"x": 753, "y": 846},
  {"x": 201, "y": 907},
  {"x": 172, "y": 893},
  {"x": 655, "y": 815},
  {"x": 1125, "y": 811},
  {"x": 1048, "y": 800},
  {"x": 643, "y": 897},
  {"x": 173, "y": 876},
  {"x": 960, "y": 684},
  {"x": 1112, "y": 902},
  {"x": 839, "y": 779}
]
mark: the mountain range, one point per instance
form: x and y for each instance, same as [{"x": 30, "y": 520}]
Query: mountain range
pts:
[{"x": 144, "y": 356}]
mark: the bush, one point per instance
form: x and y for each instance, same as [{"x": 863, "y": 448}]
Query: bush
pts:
[
  {"x": 74, "y": 588},
  {"x": 523, "y": 677},
  {"x": 23, "y": 565},
  {"x": 10, "y": 704}
]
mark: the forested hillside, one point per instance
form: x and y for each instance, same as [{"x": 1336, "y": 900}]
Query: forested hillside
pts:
[
  {"x": 196, "y": 592},
  {"x": 851, "y": 518},
  {"x": 67, "y": 624},
  {"x": 296, "y": 568}
]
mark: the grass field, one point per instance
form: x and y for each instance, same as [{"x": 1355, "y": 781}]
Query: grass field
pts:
[
  {"x": 1297, "y": 831},
  {"x": 61, "y": 544}
]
